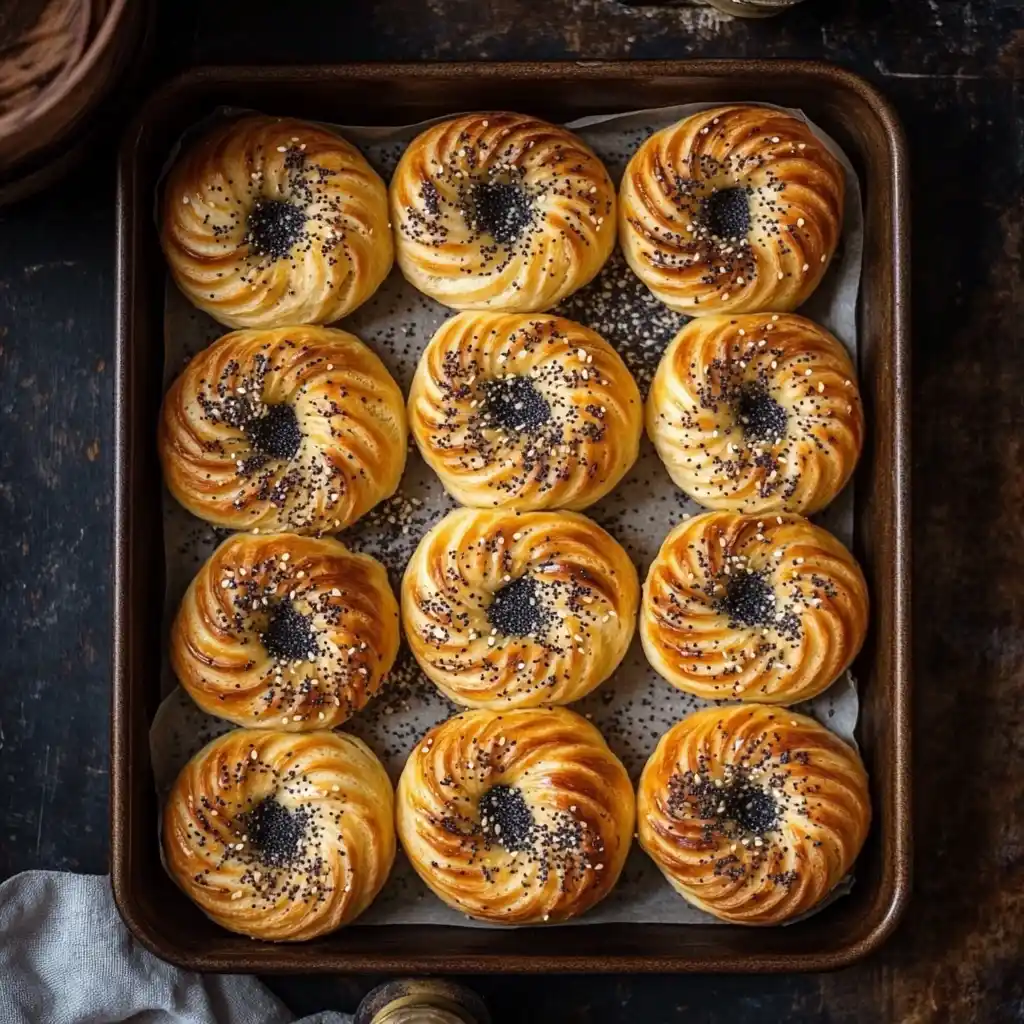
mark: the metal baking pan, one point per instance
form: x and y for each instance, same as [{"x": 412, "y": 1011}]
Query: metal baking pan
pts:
[{"x": 862, "y": 121}]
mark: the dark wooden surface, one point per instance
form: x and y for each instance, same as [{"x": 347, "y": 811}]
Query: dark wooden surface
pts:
[{"x": 953, "y": 69}]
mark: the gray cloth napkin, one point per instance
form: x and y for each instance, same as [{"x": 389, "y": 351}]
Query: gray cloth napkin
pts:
[{"x": 66, "y": 958}]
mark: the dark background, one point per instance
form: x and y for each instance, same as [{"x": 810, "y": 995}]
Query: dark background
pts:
[{"x": 953, "y": 68}]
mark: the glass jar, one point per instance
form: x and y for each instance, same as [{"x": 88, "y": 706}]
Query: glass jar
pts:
[
  {"x": 752, "y": 8},
  {"x": 421, "y": 1001},
  {"x": 738, "y": 8}
]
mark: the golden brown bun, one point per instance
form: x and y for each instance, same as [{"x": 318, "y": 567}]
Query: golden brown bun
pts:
[
  {"x": 757, "y": 413},
  {"x": 703, "y": 248},
  {"x": 468, "y": 616},
  {"x": 524, "y": 411},
  {"x": 771, "y": 609},
  {"x": 501, "y": 211},
  {"x": 269, "y": 222},
  {"x": 519, "y": 817},
  {"x": 281, "y": 836},
  {"x": 753, "y": 814},
  {"x": 299, "y": 429},
  {"x": 285, "y": 631}
]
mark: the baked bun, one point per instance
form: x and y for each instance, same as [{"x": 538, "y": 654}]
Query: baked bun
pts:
[
  {"x": 758, "y": 412},
  {"x": 521, "y": 817},
  {"x": 504, "y": 610},
  {"x": 299, "y": 429},
  {"x": 269, "y": 222},
  {"x": 501, "y": 211},
  {"x": 281, "y": 836},
  {"x": 289, "y": 632},
  {"x": 524, "y": 411},
  {"x": 736, "y": 607},
  {"x": 753, "y": 814},
  {"x": 732, "y": 210}
]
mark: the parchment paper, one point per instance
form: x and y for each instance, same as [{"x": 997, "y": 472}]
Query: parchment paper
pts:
[{"x": 633, "y": 708}]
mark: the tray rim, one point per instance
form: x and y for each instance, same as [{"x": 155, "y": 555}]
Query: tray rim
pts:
[{"x": 885, "y": 913}]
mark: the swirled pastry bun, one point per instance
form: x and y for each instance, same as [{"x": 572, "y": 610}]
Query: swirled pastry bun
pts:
[
  {"x": 281, "y": 836},
  {"x": 524, "y": 411},
  {"x": 732, "y": 210},
  {"x": 522, "y": 817},
  {"x": 753, "y": 814},
  {"x": 501, "y": 211},
  {"x": 299, "y": 429},
  {"x": 770, "y": 609},
  {"x": 504, "y": 610},
  {"x": 269, "y": 222},
  {"x": 294, "y": 633},
  {"x": 757, "y": 412}
]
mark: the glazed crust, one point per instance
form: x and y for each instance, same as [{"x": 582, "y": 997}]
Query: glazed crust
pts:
[
  {"x": 753, "y": 814},
  {"x": 281, "y": 836},
  {"x": 501, "y": 211},
  {"x": 524, "y": 412},
  {"x": 299, "y": 429},
  {"x": 470, "y": 624},
  {"x": 290, "y": 632},
  {"x": 269, "y": 222},
  {"x": 522, "y": 817},
  {"x": 770, "y": 609},
  {"x": 758, "y": 412},
  {"x": 732, "y": 210}
]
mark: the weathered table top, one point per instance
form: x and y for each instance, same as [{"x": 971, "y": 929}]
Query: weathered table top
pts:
[{"x": 953, "y": 69}]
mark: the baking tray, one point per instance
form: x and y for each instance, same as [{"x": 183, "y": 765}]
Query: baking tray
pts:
[{"x": 861, "y": 120}]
